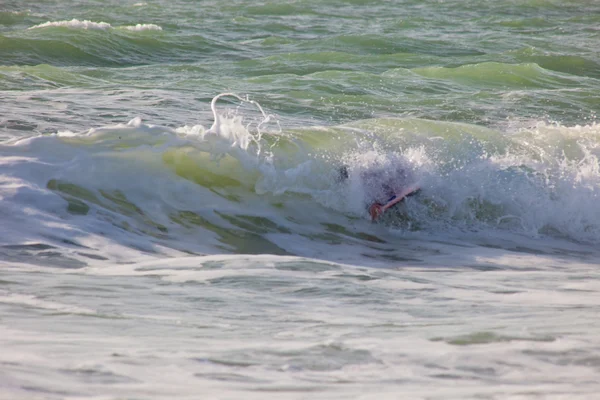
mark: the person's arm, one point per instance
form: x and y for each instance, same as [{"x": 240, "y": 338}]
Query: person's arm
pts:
[
  {"x": 399, "y": 197},
  {"x": 377, "y": 209}
]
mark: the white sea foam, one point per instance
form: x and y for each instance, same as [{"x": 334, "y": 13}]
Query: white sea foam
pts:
[
  {"x": 91, "y": 25},
  {"x": 33, "y": 301},
  {"x": 75, "y": 24},
  {"x": 20, "y": 13},
  {"x": 143, "y": 27}
]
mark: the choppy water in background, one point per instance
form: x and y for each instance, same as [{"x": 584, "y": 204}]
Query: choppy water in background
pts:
[{"x": 150, "y": 248}]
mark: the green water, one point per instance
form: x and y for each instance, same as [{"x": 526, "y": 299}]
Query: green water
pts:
[
  {"x": 138, "y": 261},
  {"x": 311, "y": 62}
]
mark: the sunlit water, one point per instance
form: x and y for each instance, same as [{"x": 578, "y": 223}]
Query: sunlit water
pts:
[{"x": 156, "y": 245}]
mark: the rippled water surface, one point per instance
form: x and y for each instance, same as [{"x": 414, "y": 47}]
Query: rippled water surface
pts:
[{"x": 160, "y": 241}]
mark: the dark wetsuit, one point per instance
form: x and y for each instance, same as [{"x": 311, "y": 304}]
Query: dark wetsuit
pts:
[{"x": 382, "y": 186}]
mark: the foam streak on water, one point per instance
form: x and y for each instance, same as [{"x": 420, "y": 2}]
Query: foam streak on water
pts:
[
  {"x": 86, "y": 24},
  {"x": 307, "y": 327},
  {"x": 183, "y": 194}
]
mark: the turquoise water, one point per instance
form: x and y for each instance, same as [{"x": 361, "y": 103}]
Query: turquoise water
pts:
[{"x": 173, "y": 222}]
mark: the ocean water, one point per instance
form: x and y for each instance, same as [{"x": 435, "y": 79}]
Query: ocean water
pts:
[{"x": 173, "y": 225}]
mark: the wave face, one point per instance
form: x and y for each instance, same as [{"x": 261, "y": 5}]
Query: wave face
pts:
[
  {"x": 184, "y": 189},
  {"x": 244, "y": 186}
]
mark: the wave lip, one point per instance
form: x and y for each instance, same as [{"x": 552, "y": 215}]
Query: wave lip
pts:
[
  {"x": 143, "y": 27},
  {"x": 75, "y": 24},
  {"x": 91, "y": 25}
]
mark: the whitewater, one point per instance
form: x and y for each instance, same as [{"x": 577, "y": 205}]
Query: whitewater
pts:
[{"x": 173, "y": 222}]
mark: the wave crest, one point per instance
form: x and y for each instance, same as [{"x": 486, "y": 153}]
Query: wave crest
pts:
[{"x": 91, "y": 25}]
